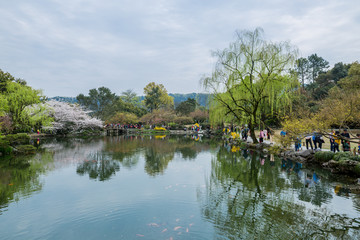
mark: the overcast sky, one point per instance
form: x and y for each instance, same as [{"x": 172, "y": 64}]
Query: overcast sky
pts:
[{"x": 67, "y": 47}]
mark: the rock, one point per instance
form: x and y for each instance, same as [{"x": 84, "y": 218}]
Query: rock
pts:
[{"x": 306, "y": 154}]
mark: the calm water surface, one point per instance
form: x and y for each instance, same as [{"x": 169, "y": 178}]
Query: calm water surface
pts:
[{"x": 168, "y": 188}]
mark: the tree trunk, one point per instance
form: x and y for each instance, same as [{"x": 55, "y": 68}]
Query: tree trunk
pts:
[{"x": 252, "y": 132}]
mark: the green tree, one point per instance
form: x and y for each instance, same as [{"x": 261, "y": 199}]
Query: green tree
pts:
[
  {"x": 186, "y": 107},
  {"x": 19, "y": 97},
  {"x": 156, "y": 97},
  {"x": 248, "y": 73},
  {"x": 200, "y": 115},
  {"x": 302, "y": 69},
  {"x": 131, "y": 107},
  {"x": 159, "y": 117},
  {"x": 123, "y": 118},
  {"x": 339, "y": 71},
  {"x": 129, "y": 96},
  {"x": 317, "y": 65},
  {"x": 99, "y": 101},
  {"x": 5, "y": 78}
]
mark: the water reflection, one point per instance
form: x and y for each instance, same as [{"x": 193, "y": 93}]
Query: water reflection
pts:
[
  {"x": 244, "y": 195},
  {"x": 19, "y": 177},
  {"x": 101, "y": 158},
  {"x": 98, "y": 166},
  {"x": 250, "y": 196}
]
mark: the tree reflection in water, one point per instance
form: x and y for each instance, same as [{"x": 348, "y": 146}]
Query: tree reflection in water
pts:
[
  {"x": 125, "y": 151},
  {"x": 19, "y": 177},
  {"x": 99, "y": 166},
  {"x": 249, "y": 197}
]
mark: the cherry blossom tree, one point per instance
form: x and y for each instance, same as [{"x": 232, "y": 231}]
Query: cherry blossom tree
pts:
[{"x": 70, "y": 118}]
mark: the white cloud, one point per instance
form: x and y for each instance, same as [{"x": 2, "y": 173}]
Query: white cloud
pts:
[{"x": 67, "y": 47}]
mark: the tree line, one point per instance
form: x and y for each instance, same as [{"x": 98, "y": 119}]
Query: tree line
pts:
[
  {"x": 156, "y": 108},
  {"x": 255, "y": 82},
  {"x": 264, "y": 84}
]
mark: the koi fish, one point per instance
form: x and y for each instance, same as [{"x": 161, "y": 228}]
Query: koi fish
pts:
[
  {"x": 140, "y": 235},
  {"x": 177, "y": 220},
  {"x": 177, "y": 228},
  {"x": 10, "y": 184},
  {"x": 153, "y": 225},
  {"x": 164, "y": 230},
  {"x": 187, "y": 229}
]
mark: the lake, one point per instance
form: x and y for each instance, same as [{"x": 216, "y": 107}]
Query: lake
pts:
[{"x": 161, "y": 187}]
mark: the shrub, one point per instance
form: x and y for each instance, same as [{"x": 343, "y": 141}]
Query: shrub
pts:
[
  {"x": 17, "y": 139},
  {"x": 26, "y": 149},
  {"x": 182, "y": 120},
  {"x": 357, "y": 169},
  {"x": 5, "y": 146},
  {"x": 243, "y": 145},
  {"x": 355, "y": 158},
  {"x": 274, "y": 149},
  {"x": 342, "y": 156},
  {"x": 324, "y": 156}
]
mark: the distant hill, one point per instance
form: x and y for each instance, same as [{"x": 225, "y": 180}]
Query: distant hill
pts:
[{"x": 201, "y": 98}]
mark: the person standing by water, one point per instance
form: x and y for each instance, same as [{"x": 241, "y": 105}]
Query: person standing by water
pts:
[
  {"x": 337, "y": 141},
  {"x": 319, "y": 140},
  {"x": 308, "y": 140},
  {"x": 261, "y": 136},
  {"x": 268, "y": 132},
  {"x": 314, "y": 141},
  {"x": 332, "y": 140},
  {"x": 345, "y": 142},
  {"x": 282, "y": 133}
]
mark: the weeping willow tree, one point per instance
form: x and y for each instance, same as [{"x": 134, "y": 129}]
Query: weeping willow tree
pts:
[{"x": 251, "y": 79}]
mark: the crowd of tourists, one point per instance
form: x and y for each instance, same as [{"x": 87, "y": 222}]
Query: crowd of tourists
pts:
[
  {"x": 123, "y": 126},
  {"x": 244, "y": 132},
  {"x": 337, "y": 141}
]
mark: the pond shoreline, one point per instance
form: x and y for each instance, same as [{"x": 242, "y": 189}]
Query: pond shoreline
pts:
[{"x": 348, "y": 168}]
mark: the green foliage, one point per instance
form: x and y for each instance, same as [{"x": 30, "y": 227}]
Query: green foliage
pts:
[
  {"x": 339, "y": 156},
  {"x": 201, "y": 98},
  {"x": 159, "y": 117},
  {"x": 186, "y": 107},
  {"x": 26, "y": 149},
  {"x": 302, "y": 69},
  {"x": 99, "y": 101},
  {"x": 17, "y": 139},
  {"x": 275, "y": 149},
  {"x": 121, "y": 106},
  {"x": 324, "y": 156},
  {"x": 156, "y": 97},
  {"x": 355, "y": 158},
  {"x": 5, "y": 78},
  {"x": 5, "y": 146},
  {"x": 317, "y": 65},
  {"x": 357, "y": 169},
  {"x": 183, "y": 120},
  {"x": 104, "y": 104},
  {"x": 123, "y": 118},
  {"x": 19, "y": 97},
  {"x": 249, "y": 77},
  {"x": 129, "y": 96},
  {"x": 200, "y": 115}
]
